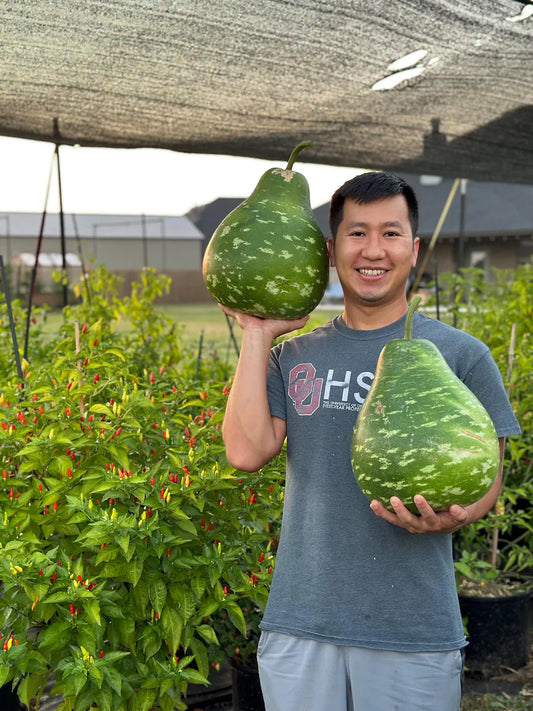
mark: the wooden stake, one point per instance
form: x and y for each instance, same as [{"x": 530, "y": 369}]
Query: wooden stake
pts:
[{"x": 510, "y": 360}]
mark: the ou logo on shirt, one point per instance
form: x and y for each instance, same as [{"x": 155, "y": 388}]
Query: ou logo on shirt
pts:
[{"x": 305, "y": 389}]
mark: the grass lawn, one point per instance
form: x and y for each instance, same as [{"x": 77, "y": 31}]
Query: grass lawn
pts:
[{"x": 202, "y": 322}]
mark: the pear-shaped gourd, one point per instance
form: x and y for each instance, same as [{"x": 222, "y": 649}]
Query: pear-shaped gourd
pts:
[
  {"x": 422, "y": 431},
  {"x": 268, "y": 257}
]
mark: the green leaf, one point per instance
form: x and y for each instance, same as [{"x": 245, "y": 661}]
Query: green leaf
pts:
[
  {"x": 158, "y": 595},
  {"x": 96, "y": 675},
  {"x": 200, "y": 655},
  {"x": 28, "y": 688},
  {"x": 55, "y": 635},
  {"x": 208, "y": 633},
  {"x": 172, "y": 624},
  {"x": 123, "y": 540},
  {"x": 150, "y": 642},
  {"x": 236, "y": 617},
  {"x": 141, "y": 596},
  {"x": 113, "y": 679},
  {"x": 5, "y": 673},
  {"x": 115, "y": 351},
  {"x": 92, "y": 610},
  {"x": 194, "y": 677},
  {"x": 134, "y": 571},
  {"x": 126, "y": 627},
  {"x": 144, "y": 699},
  {"x": 75, "y": 682},
  {"x": 100, "y": 409}
]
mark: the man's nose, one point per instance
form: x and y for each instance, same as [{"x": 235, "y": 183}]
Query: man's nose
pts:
[{"x": 373, "y": 247}]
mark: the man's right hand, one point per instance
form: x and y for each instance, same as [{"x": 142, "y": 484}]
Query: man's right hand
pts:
[{"x": 271, "y": 327}]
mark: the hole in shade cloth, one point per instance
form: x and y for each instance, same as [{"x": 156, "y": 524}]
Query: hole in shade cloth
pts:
[
  {"x": 527, "y": 11},
  {"x": 408, "y": 60},
  {"x": 394, "y": 79}
]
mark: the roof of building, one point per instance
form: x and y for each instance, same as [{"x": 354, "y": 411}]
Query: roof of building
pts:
[{"x": 28, "y": 224}]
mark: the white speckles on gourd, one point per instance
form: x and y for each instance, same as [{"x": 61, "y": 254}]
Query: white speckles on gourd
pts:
[
  {"x": 282, "y": 239},
  {"x": 436, "y": 438}
]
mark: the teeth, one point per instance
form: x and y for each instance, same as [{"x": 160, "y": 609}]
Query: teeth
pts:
[{"x": 372, "y": 272}]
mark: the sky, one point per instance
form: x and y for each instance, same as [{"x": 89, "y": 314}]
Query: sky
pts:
[{"x": 137, "y": 181}]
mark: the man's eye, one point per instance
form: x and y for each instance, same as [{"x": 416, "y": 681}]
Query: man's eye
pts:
[
  {"x": 357, "y": 234},
  {"x": 391, "y": 234}
]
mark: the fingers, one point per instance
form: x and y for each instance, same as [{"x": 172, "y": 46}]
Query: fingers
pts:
[{"x": 426, "y": 521}]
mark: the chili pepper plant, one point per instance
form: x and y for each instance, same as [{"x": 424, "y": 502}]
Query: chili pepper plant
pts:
[
  {"x": 125, "y": 536},
  {"x": 496, "y": 553}
]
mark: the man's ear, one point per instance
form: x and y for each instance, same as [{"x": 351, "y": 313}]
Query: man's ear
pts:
[
  {"x": 331, "y": 252},
  {"x": 416, "y": 245}
]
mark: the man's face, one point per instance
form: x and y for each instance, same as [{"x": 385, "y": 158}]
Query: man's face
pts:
[{"x": 374, "y": 251}]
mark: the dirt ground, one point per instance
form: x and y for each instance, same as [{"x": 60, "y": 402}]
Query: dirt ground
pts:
[{"x": 512, "y": 682}]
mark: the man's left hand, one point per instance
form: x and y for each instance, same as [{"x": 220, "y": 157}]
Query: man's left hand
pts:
[{"x": 426, "y": 521}]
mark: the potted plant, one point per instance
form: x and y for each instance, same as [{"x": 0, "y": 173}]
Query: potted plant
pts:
[
  {"x": 121, "y": 523},
  {"x": 494, "y": 556}
]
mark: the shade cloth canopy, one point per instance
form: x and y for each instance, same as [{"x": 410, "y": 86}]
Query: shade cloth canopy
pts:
[{"x": 256, "y": 77}]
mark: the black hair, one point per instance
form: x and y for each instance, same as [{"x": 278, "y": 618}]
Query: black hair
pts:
[{"x": 368, "y": 187}]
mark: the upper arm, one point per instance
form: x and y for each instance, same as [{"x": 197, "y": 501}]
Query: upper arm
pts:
[{"x": 249, "y": 459}]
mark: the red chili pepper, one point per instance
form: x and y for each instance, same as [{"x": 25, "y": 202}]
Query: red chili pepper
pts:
[
  {"x": 101, "y": 654},
  {"x": 84, "y": 328},
  {"x": 11, "y": 494},
  {"x": 55, "y": 505},
  {"x": 152, "y": 377},
  {"x": 69, "y": 472},
  {"x": 261, "y": 557},
  {"x": 96, "y": 378},
  {"x": 72, "y": 609},
  {"x": 152, "y": 480}
]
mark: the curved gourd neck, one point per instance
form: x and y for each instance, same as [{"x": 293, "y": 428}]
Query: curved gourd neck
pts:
[
  {"x": 295, "y": 152},
  {"x": 409, "y": 318}
]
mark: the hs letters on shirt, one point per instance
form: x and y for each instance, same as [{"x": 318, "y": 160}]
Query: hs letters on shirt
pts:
[{"x": 340, "y": 391}]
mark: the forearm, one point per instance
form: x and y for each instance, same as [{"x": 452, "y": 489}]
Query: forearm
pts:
[{"x": 250, "y": 434}]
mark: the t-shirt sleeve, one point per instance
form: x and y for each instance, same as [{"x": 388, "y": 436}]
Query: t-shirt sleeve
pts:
[
  {"x": 485, "y": 381},
  {"x": 275, "y": 386}
]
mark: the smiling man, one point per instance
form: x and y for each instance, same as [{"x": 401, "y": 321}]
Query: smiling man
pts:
[{"x": 362, "y": 613}]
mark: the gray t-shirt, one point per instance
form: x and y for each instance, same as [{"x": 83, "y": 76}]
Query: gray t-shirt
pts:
[{"x": 342, "y": 574}]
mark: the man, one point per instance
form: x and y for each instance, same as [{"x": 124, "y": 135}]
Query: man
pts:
[{"x": 363, "y": 613}]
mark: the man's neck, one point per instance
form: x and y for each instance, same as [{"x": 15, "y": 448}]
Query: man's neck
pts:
[{"x": 369, "y": 318}]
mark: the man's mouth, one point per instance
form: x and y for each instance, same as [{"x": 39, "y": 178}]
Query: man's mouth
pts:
[{"x": 372, "y": 272}]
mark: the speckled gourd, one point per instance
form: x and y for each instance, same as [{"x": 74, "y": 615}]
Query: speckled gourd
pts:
[
  {"x": 268, "y": 257},
  {"x": 422, "y": 431}
]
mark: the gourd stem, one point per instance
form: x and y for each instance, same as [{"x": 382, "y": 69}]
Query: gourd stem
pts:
[
  {"x": 295, "y": 153},
  {"x": 409, "y": 318}
]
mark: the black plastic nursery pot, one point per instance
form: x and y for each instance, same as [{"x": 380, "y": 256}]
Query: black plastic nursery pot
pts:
[
  {"x": 498, "y": 633},
  {"x": 246, "y": 689},
  {"x": 9, "y": 700}
]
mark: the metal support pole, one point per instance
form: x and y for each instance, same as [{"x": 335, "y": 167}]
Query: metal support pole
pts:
[{"x": 62, "y": 230}]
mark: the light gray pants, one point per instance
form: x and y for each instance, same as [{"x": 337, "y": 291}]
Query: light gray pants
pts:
[{"x": 304, "y": 675}]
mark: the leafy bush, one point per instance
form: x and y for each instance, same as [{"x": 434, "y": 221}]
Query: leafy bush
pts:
[
  {"x": 500, "y": 546},
  {"x": 124, "y": 533}
]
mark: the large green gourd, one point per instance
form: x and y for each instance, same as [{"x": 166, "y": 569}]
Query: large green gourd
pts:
[
  {"x": 268, "y": 257},
  {"x": 422, "y": 431}
]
